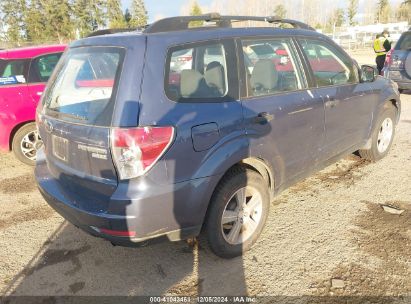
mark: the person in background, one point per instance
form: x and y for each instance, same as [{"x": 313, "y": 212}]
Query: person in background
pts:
[
  {"x": 380, "y": 52},
  {"x": 382, "y": 45},
  {"x": 387, "y": 42}
]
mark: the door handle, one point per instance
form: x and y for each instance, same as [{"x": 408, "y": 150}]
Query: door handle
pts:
[{"x": 263, "y": 118}]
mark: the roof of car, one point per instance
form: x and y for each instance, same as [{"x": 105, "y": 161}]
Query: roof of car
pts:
[
  {"x": 128, "y": 39},
  {"x": 30, "y": 52},
  {"x": 212, "y": 22}
]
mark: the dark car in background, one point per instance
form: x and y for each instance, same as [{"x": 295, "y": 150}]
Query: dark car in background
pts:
[
  {"x": 139, "y": 147},
  {"x": 397, "y": 65}
]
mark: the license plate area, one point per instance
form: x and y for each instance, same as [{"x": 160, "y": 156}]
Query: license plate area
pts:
[{"x": 60, "y": 147}]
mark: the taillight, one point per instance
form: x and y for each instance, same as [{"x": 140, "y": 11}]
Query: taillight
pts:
[
  {"x": 388, "y": 58},
  {"x": 136, "y": 150}
]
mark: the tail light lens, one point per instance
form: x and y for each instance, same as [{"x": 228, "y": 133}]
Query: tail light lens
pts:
[
  {"x": 388, "y": 58},
  {"x": 136, "y": 150}
]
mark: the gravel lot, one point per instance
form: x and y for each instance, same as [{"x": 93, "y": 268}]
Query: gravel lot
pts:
[{"x": 326, "y": 232}]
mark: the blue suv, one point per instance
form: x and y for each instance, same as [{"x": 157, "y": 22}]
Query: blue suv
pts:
[{"x": 173, "y": 130}]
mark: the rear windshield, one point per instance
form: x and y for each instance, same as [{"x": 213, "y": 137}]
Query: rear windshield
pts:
[
  {"x": 404, "y": 43},
  {"x": 84, "y": 84}
]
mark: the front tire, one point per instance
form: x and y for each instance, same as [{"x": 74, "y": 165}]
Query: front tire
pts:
[
  {"x": 238, "y": 211},
  {"x": 382, "y": 136},
  {"x": 25, "y": 144}
]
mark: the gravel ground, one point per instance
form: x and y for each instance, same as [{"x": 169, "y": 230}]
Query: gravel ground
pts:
[{"x": 327, "y": 235}]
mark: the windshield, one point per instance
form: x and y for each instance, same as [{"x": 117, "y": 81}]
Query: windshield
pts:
[{"x": 83, "y": 86}]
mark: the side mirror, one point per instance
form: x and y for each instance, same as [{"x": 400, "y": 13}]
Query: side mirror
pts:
[{"x": 368, "y": 73}]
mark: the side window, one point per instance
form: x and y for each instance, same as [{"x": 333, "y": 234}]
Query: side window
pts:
[
  {"x": 271, "y": 67},
  {"x": 201, "y": 72},
  {"x": 13, "y": 72},
  {"x": 329, "y": 65},
  {"x": 42, "y": 67}
]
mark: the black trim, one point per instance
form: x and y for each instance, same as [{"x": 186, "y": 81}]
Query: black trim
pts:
[{"x": 112, "y": 31}]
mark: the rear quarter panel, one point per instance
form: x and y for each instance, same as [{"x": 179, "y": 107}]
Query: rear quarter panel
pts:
[{"x": 16, "y": 108}]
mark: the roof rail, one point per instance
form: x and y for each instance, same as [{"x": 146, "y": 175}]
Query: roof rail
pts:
[{"x": 182, "y": 22}]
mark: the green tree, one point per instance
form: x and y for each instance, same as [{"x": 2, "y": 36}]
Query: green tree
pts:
[
  {"x": 35, "y": 20},
  {"x": 115, "y": 14},
  {"x": 127, "y": 17},
  {"x": 352, "y": 11},
  {"x": 280, "y": 11},
  {"x": 139, "y": 16},
  {"x": 13, "y": 18},
  {"x": 58, "y": 18},
  {"x": 195, "y": 11},
  {"x": 89, "y": 16},
  {"x": 404, "y": 11},
  {"x": 383, "y": 11},
  {"x": 336, "y": 20}
]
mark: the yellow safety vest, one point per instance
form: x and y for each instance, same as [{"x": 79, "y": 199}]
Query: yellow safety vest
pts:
[{"x": 379, "y": 47}]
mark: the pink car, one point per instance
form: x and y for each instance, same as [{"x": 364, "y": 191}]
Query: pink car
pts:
[{"x": 23, "y": 76}]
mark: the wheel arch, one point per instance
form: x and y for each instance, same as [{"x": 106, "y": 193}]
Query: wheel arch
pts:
[
  {"x": 396, "y": 103},
  {"x": 253, "y": 163},
  {"x": 14, "y": 131}
]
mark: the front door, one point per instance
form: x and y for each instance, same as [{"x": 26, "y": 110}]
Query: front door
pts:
[
  {"x": 348, "y": 102},
  {"x": 284, "y": 119},
  {"x": 40, "y": 71}
]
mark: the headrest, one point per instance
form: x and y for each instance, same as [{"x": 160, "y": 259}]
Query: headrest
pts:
[
  {"x": 189, "y": 82},
  {"x": 214, "y": 76},
  {"x": 264, "y": 75}
]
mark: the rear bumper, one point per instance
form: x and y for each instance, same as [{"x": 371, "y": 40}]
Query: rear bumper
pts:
[
  {"x": 404, "y": 85},
  {"x": 399, "y": 77},
  {"x": 160, "y": 212}
]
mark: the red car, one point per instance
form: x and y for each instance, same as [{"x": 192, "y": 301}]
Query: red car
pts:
[{"x": 23, "y": 76}]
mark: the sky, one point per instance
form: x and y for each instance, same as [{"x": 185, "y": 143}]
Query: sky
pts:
[{"x": 158, "y": 9}]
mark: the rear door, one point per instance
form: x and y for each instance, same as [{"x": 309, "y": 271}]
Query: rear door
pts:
[
  {"x": 348, "y": 103},
  {"x": 200, "y": 99},
  {"x": 39, "y": 73},
  {"x": 284, "y": 118},
  {"x": 13, "y": 82},
  {"x": 75, "y": 123}
]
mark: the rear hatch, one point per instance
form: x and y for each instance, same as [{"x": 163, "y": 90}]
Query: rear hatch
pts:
[
  {"x": 399, "y": 59},
  {"x": 75, "y": 122}
]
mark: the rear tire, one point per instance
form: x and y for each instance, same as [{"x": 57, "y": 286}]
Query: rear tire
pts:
[
  {"x": 238, "y": 211},
  {"x": 382, "y": 135},
  {"x": 25, "y": 144}
]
